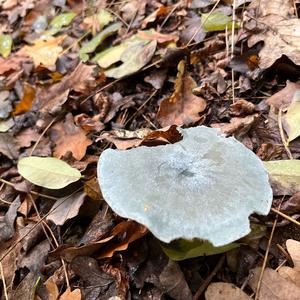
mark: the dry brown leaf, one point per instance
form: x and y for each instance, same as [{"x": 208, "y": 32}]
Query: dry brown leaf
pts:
[
  {"x": 280, "y": 34},
  {"x": 44, "y": 52},
  {"x": 242, "y": 107},
  {"x": 27, "y": 100},
  {"x": 80, "y": 80},
  {"x": 237, "y": 126},
  {"x": 26, "y": 137},
  {"x": 283, "y": 98},
  {"x": 65, "y": 209},
  {"x": 52, "y": 289},
  {"x": 71, "y": 295},
  {"x": 161, "y": 38},
  {"x": 273, "y": 286},
  {"x": 160, "y": 11},
  {"x": 224, "y": 291},
  {"x": 9, "y": 64},
  {"x": 92, "y": 189},
  {"x": 8, "y": 146},
  {"x": 68, "y": 137},
  {"x": 183, "y": 107},
  {"x": 292, "y": 274}
]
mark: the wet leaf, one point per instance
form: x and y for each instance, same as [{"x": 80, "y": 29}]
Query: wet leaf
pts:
[
  {"x": 184, "y": 249},
  {"x": 48, "y": 172},
  {"x": 5, "y": 45},
  {"x": 133, "y": 60},
  {"x": 284, "y": 176},
  {"x": 97, "y": 40},
  {"x": 27, "y": 100},
  {"x": 292, "y": 116},
  {"x": 183, "y": 107}
]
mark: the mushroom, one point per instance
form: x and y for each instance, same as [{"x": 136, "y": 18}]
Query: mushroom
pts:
[{"x": 204, "y": 186}]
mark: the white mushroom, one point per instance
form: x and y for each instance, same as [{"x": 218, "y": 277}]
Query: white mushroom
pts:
[{"x": 204, "y": 186}]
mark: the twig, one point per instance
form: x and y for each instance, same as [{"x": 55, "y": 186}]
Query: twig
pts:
[
  {"x": 232, "y": 47},
  {"x": 265, "y": 258},
  {"x": 3, "y": 281},
  {"x": 284, "y": 142},
  {"x": 209, "y": 278},
  {"x": 42, "y": 134},
  {"x": 285, "y": 216}
]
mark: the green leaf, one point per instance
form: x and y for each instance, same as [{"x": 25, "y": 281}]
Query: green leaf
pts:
[
  {"x": 48, "y": 172},
  {"x": 97, "y": 40},
  {"x": 291, "y": 120},
  {"x": 5, "y": 44},
  {"x": 216, "y": 21},
  {"x": 134, "y": 58},
  {"x": 103, "y": 18},
  {"x": 284, "y": 176},
  {"x": 62, "y": 20},
  {"x": 183, "y": 249}
]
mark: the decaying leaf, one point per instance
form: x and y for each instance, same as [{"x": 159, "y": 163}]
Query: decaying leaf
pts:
[
  {"x": 133, "y": 60},
  {"x": 284, "y": 176},
  {"x": 44, "y": 52},
  {"x": 277, "y": 29},
  {"x": 292, "y": 274},
  {"x": 273, "y": 286},
  {"x": 65, "y": 209},
  {"x": 80, "y": 80},
  {"x": 182, "y": 176},
  {"x": 8, "y": 146},
  {"x": 183, "y": 107},
  {"x": 27, "y": 100},
  {"x": 291, "y": 119},
  {"x": 283, "y": 98},
  {"x": 48, "y": 172},
  {"x": 224, "y": 291},
  {"x": 69, "y": 137}
]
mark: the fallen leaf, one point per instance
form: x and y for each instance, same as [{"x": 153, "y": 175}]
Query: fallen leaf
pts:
[
  {"x": 69, "y": 137},
  {"x": 160, "y": 11},
  {"x": 98, "y": 21},
  {"x": 224, "y": 291},
  {"x": 292, "y": 274},
  {"x": 216, "y": 21},
  {"x": 291, "y": 205},
  {"x": 181, "y": 249},
  {"x": 71, "y": 295},
  {"x": 8, "y": 146},
  {"x": 273, "y": 286},
  {"x": 48, "y": 172},
  {"x": 291, "y": 118},
  {"x": 152, "y": 35},
  {"x": 44, "y": 52},
  {"x": 130, "y": 230},
  {"x": 5, "y": 105},
  {"x": 182, "y": 107},
  {"x": 65, "y": 209},
  {"x": 277, "y": 28},
  {"x": 52, "y": 289},
  {"x": 283, "y": 98},
  {"x": 134, "y": 59},
  {"x": 7, "y": 229},
  {"x": 92, "y": 189},
  {"x": 59, "y": 22},
  {"x": 5, "y": 45},
  {"x": 27, "y": 100},
  {"x": 97, "y": 40},
  {"x": 80, "y": 80},
  {"x": 284, "y": 176},
  {"x": 237, "y": 126},
  {"x": 242, "y": 107}
]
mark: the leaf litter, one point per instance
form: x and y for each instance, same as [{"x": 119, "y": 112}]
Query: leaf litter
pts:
[{"x": 79, "y": 77}]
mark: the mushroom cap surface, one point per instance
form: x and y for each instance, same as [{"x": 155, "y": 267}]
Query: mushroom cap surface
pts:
[{"x": 204, "y": 186}]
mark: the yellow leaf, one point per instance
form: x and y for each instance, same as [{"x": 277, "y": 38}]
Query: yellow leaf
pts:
[{"x": 45, "y": 52}]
